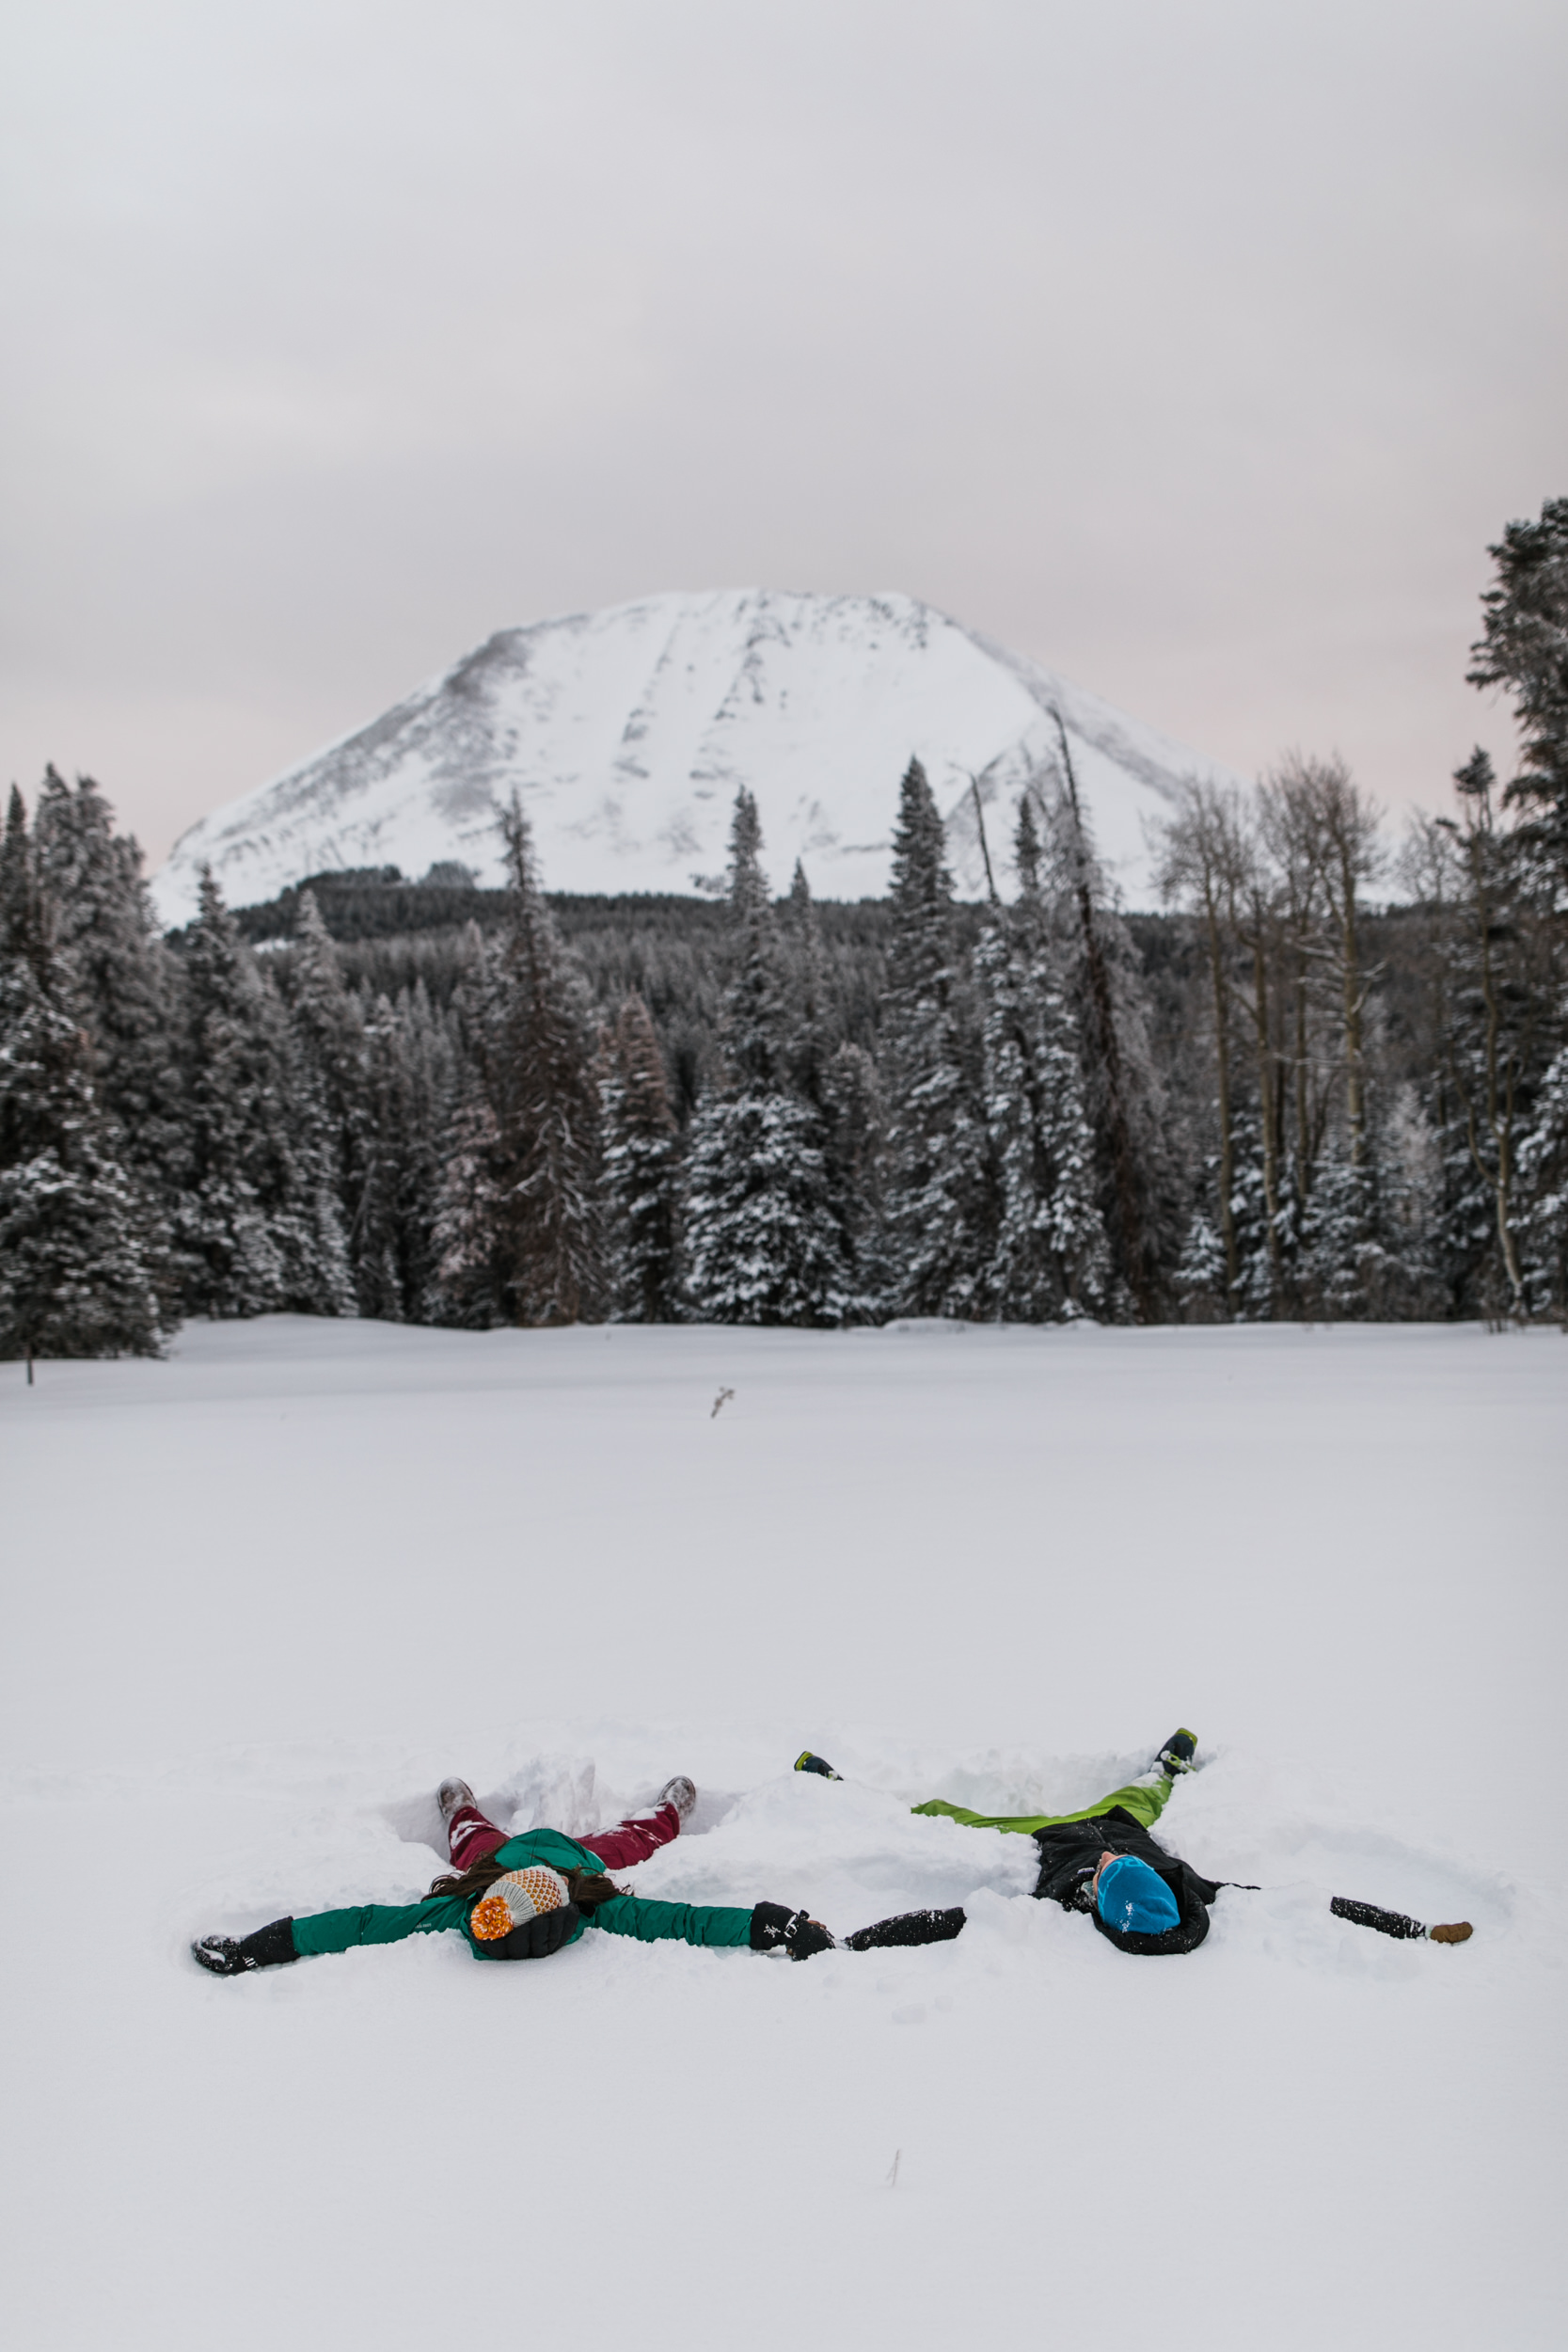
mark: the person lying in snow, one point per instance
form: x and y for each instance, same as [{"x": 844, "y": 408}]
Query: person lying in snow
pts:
[
  {"x": 523, "y": 1898},
  {"x": 1104, "y": 1861}
]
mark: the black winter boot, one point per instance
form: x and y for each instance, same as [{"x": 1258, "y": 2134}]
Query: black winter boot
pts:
[
  {"x": 271, "y": 1947},
  {"x": 806, "y": 1762},
  {"x": 1179, "y": 1755}
]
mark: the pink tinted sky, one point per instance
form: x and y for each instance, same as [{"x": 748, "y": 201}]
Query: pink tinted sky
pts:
[{"x": 1198, "y": 352}]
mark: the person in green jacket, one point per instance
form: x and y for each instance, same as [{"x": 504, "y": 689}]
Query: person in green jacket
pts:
[{"x": 525, "y": 1898}]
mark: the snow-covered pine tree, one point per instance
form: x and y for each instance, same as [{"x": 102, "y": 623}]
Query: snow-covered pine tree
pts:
[
  {"x": 469, "y": 1285},
  {"x": 328, "y": 1032},
  {"x": 811, "y": 1039},
  {"x": 410, "y": 1087},
  {"x": 853, "y": 1125},
  {"x": 643, "y": 1172},
  {"x": 1543, "y": 1189},
  {"x": 762, "y": 1241},
  {"x": 1370, "y": 1227},
  {"x": 125, "y": 979},
  {"x": 529, "y": 1200},
  {"x": 1201, "y": 1279},
  {"x": 1052, "y": 1262},
  {"x": 837, "y": 1081},
  {"x": 1139, "y": 1184},
  {"x": 1494, "y": 947},
  {"x": 1523, "y": 647},
  {"x": 257, "y": 1224},
  {"x": 940, "y": 1190},
  {"x": 76, "y": 1254}
]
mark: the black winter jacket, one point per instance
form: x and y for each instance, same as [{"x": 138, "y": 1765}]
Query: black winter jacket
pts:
[{"x": 1069, "y": 1852}]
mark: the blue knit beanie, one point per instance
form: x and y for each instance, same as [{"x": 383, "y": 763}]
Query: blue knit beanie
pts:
[{"x": 1134, "y": 1899}]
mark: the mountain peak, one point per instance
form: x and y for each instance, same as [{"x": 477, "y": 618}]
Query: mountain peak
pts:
[{"x": 626, "y": 734}]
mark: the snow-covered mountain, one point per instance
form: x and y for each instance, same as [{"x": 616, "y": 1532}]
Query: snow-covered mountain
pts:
[{"x": 627, "y": 732}]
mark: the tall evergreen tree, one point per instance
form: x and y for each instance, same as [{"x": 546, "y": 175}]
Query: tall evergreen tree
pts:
[
  {"x": 521, "y": 1215},
  {"x": 940, "y": 1190},
  {"x": 76, "y": 1252},
  {"x": 763, "y": 1242},
  {"x": 1051, "y": 1260},
  {"x": 468, "y": 1286},
  {"x": 643, "y": 1172},
  {"x": 1524, "y": 648},
  {"x": 1543, "y": 1189},
  {"x": 411, "y": 1089},
  {"x": 329, "y": 1039},
  {"x": 853, "y": 1125},
  {"x": 811, "y": 1037},
  {"x": 256, "y": 1226},
  {"x": 837, "y": 1082},
  {"x": 1495, "y": 1029},
  {"x": 125, "y": 980},
  {"x": 763, "y": 1245}
]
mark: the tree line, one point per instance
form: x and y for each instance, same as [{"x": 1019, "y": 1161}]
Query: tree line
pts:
[{"x": 1284, "y": 1099}]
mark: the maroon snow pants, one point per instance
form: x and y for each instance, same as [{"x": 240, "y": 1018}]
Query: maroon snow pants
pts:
[{"x": 471, "y": 1837}]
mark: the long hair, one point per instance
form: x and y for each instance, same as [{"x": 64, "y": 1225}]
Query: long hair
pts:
[{"x": 588, "y": 1889}]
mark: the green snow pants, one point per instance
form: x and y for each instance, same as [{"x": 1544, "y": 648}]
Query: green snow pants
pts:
[{"x": 1144, "y": 1799}]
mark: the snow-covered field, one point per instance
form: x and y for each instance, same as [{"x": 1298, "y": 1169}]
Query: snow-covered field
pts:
[{"x": 258, "y": 1598}]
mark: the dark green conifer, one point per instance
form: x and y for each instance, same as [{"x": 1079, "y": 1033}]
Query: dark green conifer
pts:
[{"x": 77, "y": 1250}]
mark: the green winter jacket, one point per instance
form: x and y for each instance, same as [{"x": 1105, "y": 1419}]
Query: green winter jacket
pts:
[{"x": 627, "y": 1915}]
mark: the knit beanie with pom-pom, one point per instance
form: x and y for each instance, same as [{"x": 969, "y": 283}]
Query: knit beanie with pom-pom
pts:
[{"x": 516, "y": 1898}]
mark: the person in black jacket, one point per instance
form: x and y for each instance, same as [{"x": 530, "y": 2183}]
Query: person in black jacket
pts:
[
  {"x": 1105, "y": 1862},
  {"x": 1101, "y": 1860}
]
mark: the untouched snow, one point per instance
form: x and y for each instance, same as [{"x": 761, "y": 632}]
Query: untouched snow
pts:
[
  {"x": 627, "y": 733},
  {"x": 258, "y": 1598}
]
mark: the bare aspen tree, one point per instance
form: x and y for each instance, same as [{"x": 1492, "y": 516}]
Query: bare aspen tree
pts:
[
  {"x": 985, "y": 846},
  {"x": 1105, "y": 1046},
  {"x": 1345, "y": 822},
  {"x": 1201, "y": 861},
  {"x": 1257, "y": 930},
  {"x": 1288, "y": 836}
]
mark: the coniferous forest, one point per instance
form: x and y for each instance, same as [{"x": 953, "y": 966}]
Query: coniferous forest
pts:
[{"x": 1329, "y": 1081}]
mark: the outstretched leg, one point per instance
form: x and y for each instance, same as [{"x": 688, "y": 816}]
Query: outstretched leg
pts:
[
  {"x": 471, "y": 1837},
  {"x": 634, "y": 1840},
  {"x": 1143, "y": 1797}
]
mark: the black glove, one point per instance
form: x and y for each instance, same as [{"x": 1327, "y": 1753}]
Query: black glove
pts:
[
  {"x": 910, "y": 1927},
  {"x": 271, "y": 1946},
  {"x": 774, "y": 1924},
  {"x": 806, "y": 1935},
  {"x": 536, "y": 1938}
]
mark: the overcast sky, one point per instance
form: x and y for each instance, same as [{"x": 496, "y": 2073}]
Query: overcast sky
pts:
[{"x": 1197, "y": 350}]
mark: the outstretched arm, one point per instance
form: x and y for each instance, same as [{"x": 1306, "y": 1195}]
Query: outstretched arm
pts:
[
  {"x": 284, "y": 1940},
  {"x": 1397, "y": 1923},
  {"x": 368, "y": 1923},
  {"x": 653, "y": 1922},
  {"x": 766, "y": 1928}
]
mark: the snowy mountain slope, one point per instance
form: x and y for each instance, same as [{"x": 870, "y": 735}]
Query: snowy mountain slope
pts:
[{"x": 627, "y": 732}]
